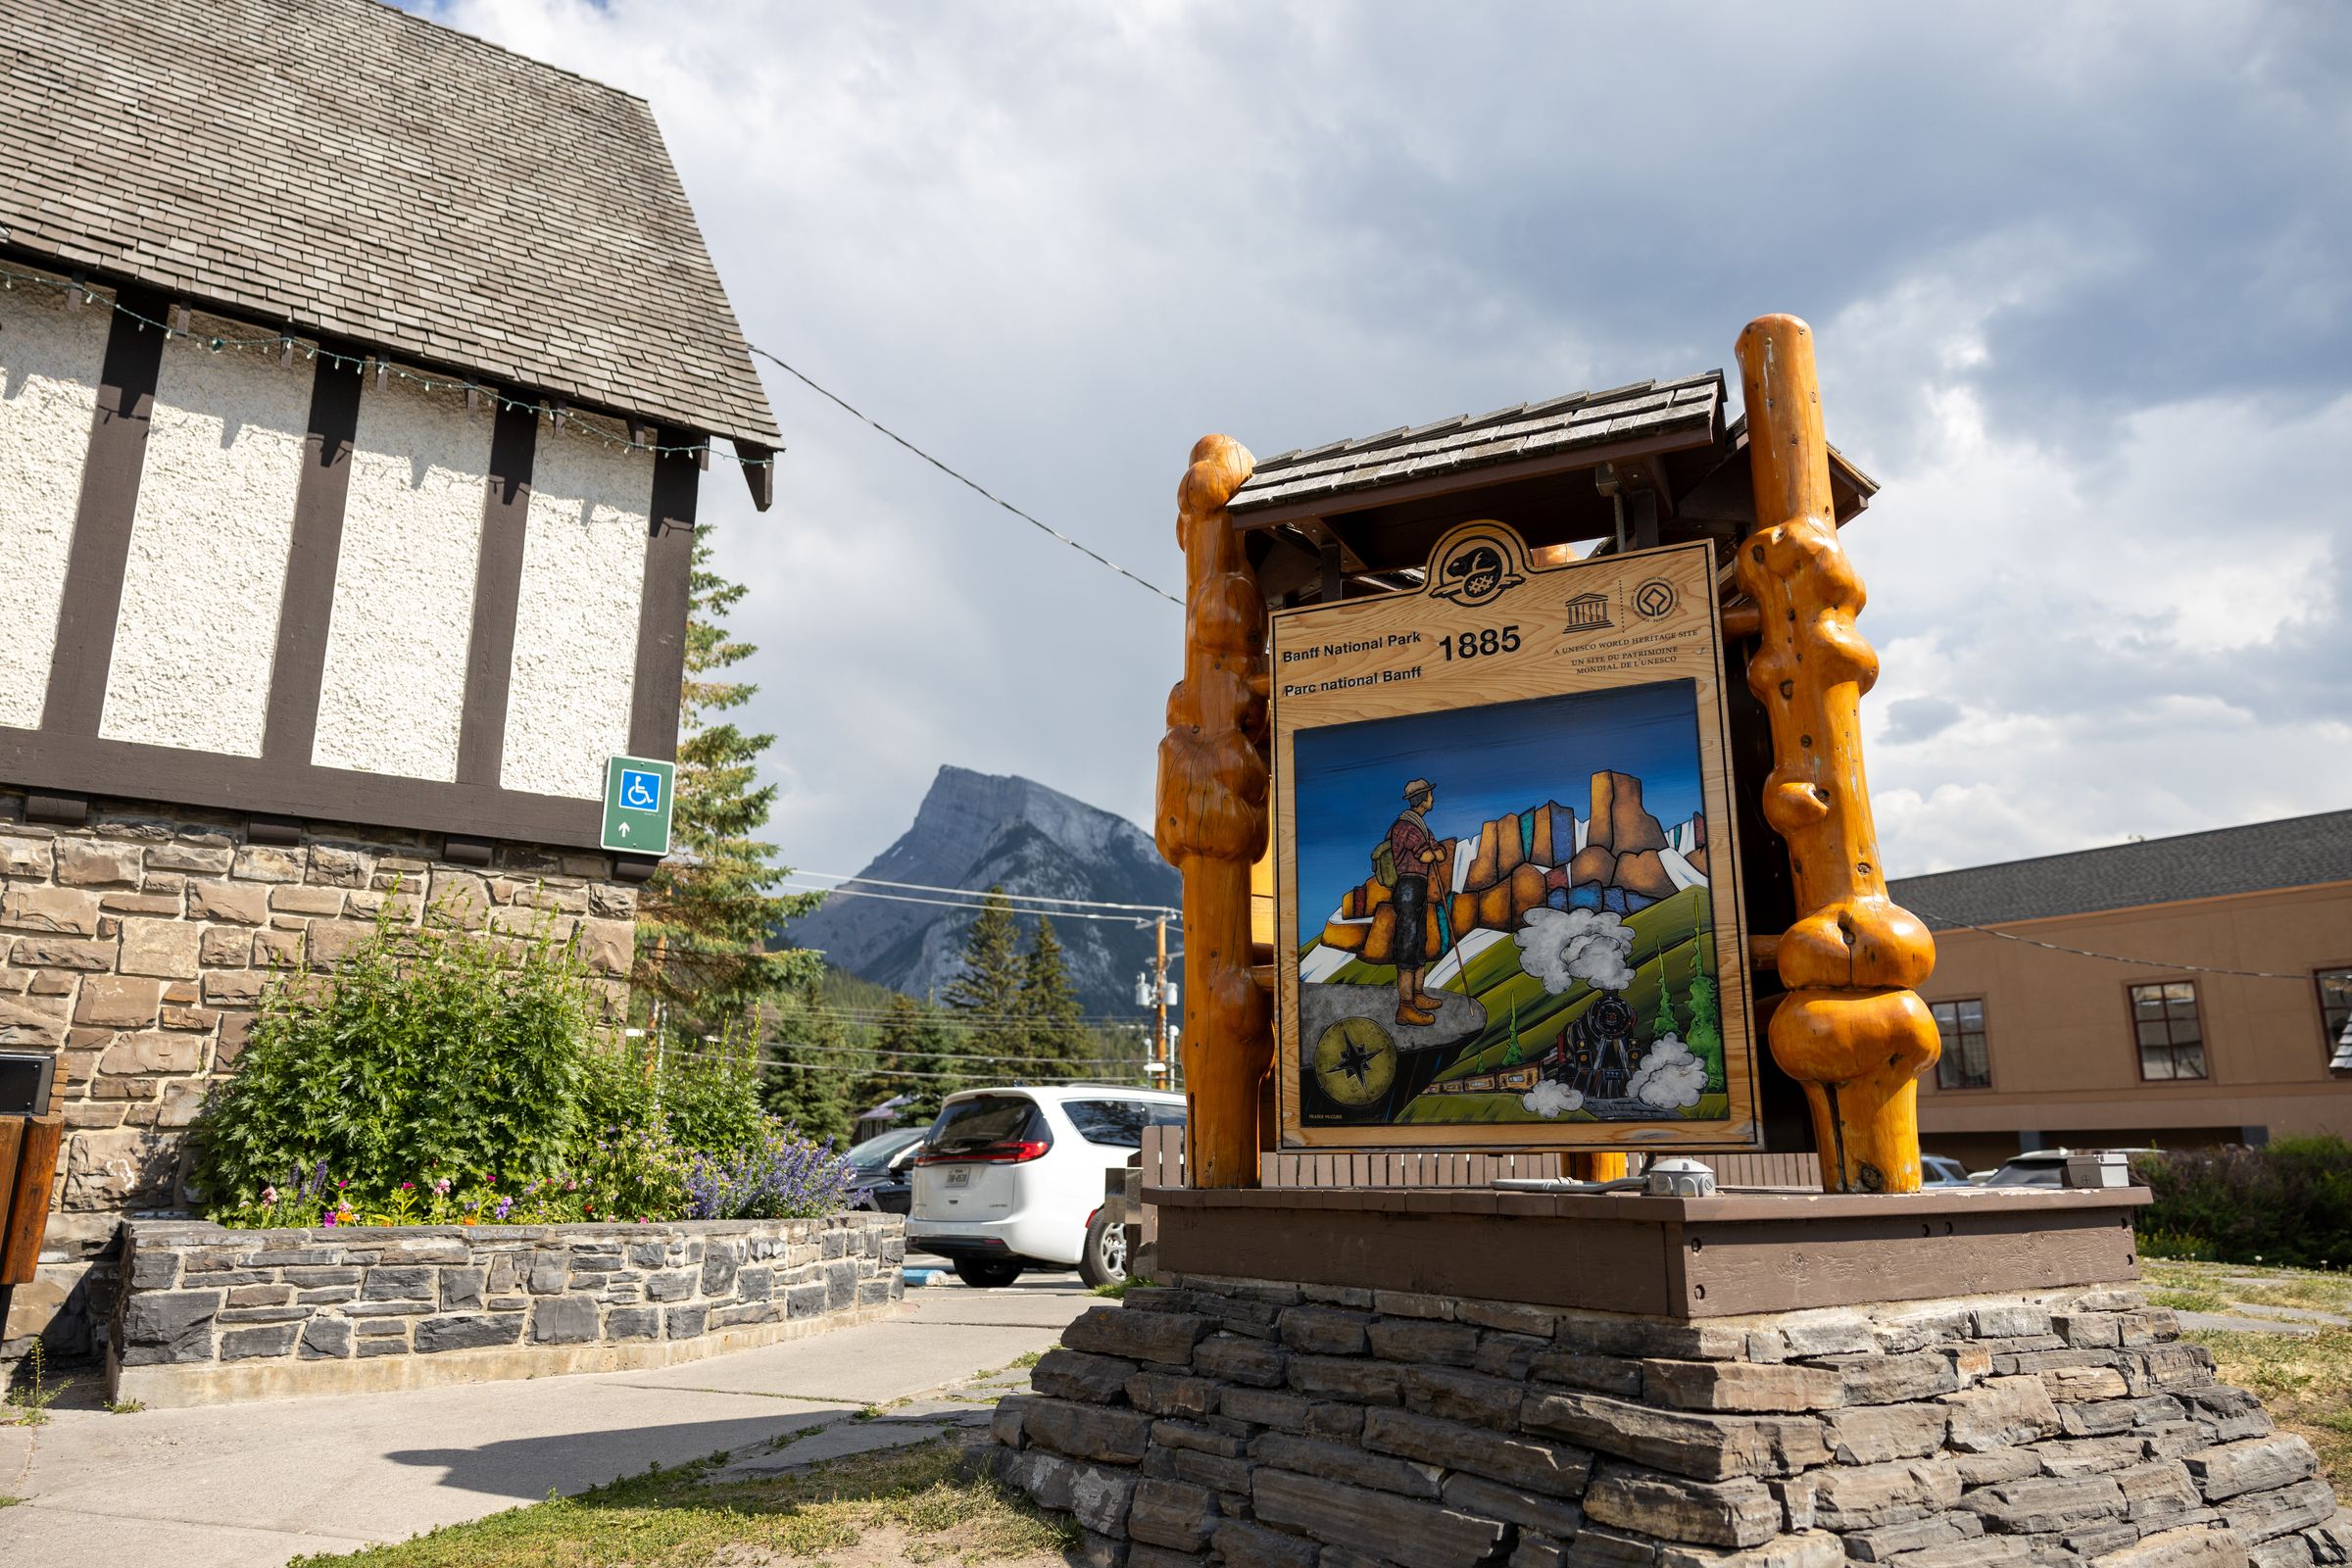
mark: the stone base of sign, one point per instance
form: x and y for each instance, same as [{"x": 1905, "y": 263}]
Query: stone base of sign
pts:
[
  {"x": 209, "y": 1315},
  {"x": 1270, "y": 1423},
  {"x": 136, "y": 943}
]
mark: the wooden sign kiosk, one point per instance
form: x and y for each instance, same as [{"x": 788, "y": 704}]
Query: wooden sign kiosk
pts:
[{"x": 1633, "y": 469}]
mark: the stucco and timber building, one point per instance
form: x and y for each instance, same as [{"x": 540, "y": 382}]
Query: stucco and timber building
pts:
[
  {"x": 2232, "y": 1030},
  {"x": 358, "y": 380}
]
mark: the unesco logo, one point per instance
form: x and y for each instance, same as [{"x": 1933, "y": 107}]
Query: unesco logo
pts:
[{"x": 1654, "y": 599}]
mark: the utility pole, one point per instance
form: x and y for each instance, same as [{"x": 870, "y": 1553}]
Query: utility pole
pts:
[{"x": 1159, "y": 998}]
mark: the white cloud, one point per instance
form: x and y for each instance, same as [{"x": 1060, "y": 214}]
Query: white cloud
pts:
[{"x": 2079, "y": 287}]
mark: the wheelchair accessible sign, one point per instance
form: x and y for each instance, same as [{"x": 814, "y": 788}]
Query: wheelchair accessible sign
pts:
[{"x": 637, "y": 805}]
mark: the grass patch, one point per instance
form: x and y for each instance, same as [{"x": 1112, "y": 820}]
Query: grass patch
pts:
[
  {"x": 10, "y": 1502},
  {"x": 1116, "y": 1289},
  {"x": 2304, "y": 1380},
  {"x": 1024, "y": 1361},
  {"x": 897, "y": 1505}
]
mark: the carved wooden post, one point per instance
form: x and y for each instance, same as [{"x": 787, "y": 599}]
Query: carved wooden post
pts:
[
  {"x": 1596, "y": 1168},
  {"x": 1850, "y": 1029},
  {"x": 1211, "y": 821}
]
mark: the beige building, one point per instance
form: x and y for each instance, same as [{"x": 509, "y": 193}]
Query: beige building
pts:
[{"x": 2228, "y": 1025}]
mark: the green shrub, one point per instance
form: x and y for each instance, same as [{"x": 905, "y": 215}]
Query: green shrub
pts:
[
  {"x": 2290, "y": 1202},
  {"x": 425, "y": 1051},
  {"x": 710, "y": 1096}
]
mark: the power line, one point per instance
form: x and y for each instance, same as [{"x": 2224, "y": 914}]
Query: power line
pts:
[
  {"x": 971, "y": 484},
  {"x": 2111, "y": 957},
  {"x": 977, "y": 1020},
  {"x": 953, "y": 903},
  {"x": 987, "y": 892},
  {"x": 965, "y": 1056}
]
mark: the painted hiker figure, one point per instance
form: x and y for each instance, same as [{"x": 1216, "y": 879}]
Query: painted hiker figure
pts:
[{"x": 1409, "y": 850}]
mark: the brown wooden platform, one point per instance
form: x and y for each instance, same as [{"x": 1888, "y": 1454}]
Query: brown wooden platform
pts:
[{"x": 1678, "y": 1257}]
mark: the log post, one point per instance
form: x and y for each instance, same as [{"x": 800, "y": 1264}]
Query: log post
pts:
[
  {"x": 1851, "y": 1029},
  {"x": 1597, "y": 1167},
  {"x": 1212, "y": 820}
]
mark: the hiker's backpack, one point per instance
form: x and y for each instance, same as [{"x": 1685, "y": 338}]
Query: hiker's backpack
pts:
[{"x": 1384, "y": 863}]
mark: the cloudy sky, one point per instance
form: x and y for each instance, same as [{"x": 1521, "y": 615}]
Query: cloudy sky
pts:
[{"x": 2078, "y": 276}]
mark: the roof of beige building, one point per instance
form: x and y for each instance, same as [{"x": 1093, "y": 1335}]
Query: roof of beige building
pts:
[
  {"x": 358, "y": 171},
  {"x": 2295, "y": 851}
]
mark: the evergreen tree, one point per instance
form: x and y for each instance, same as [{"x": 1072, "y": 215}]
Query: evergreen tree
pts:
[
  {"x": 913, "y": 1057},
  {"x": 987, "y": 996},
  {"x": 1056, "y": 1018},
  {"x": 706, "y": 917},
  {"x": 808, "y": 1074}
]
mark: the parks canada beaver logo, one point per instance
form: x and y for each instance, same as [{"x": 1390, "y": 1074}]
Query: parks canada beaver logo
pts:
[{"x": 1476, "y": 572}]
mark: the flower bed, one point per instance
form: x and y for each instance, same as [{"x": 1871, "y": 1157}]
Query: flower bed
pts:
[{"x": 208, "y": 1314}]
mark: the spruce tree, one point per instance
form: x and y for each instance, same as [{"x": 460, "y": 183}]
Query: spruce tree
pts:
[
  {"x": 810, "y": 1071},
  {"x": 1057, "y": 1029},
  {"x": 912, "y": 1057},
  {"x": 706, "y": 917},
  {"x": 987, "y": 996}
]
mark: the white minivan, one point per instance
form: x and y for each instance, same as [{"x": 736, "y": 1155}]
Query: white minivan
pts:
[{"x": 1010, "y": 1178}]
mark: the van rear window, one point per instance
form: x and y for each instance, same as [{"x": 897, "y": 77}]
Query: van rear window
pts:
[
  {"x": 970, "y": 1124},
  {"x": 1119, "y": 1123}
]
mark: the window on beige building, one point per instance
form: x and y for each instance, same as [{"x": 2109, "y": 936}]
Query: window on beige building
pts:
[
  {"x": 2335, "y": 1017},
  {"x": 1964, "y": 1063},
  {"x": 2171, "y": 1042}
]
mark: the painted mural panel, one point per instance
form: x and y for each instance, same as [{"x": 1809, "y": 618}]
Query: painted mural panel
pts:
[{"x": 1505, "y": 860}]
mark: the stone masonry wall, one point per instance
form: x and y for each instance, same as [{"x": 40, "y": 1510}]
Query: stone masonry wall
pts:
[
  {"x": 1265, "y": 1425},
  {"x": 208, "y": 1314},
  {"x": 136, "y": 945}
]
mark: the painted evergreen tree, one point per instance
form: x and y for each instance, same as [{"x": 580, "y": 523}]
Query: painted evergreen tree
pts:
[
  {"x": 1057, "y": 1028},
  {"x": 913, "y": 1057},
  {"x": 986, "y": 997},
  {"x": 1705, "y": 1036},
  {"x": 1513, "y": 1056},
  {"x": 706, "y": 917}
]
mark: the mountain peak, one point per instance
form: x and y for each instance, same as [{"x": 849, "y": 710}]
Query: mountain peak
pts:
[{"x": 974, "y": 831}]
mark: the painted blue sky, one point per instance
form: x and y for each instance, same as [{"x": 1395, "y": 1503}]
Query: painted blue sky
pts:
[{"x": 1484, "y": 761}]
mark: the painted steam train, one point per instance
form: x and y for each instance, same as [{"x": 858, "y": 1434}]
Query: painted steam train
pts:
[{"x": 1598, "y": 1054}]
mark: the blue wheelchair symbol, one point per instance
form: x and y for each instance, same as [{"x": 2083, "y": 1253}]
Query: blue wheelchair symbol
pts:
[{"x": 640, "y": 792}]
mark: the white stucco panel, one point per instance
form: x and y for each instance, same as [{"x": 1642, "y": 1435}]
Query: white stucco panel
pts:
[
  {"x": 575, "y": 622},
  {"x": 198, "y": 627},
  {"x": 50, "y": 361},
  {"x": 393, "y": 693}
]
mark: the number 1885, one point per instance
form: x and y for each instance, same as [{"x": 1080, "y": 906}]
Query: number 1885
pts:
[{"x": 1483, "y": 643}]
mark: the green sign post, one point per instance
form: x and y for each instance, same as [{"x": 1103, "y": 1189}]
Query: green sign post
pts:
[{"x": 637, "y": 805}]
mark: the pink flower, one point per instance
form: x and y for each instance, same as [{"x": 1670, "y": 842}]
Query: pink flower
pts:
[
  {"x": 328, "y": 1218},
  {"x": 268, "y": 1195}
]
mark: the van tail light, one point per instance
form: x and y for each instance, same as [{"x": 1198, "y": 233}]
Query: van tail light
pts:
[{"x": 1018, "y": 1152}]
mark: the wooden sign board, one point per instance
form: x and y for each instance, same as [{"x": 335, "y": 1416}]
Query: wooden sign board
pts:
[{"x": 1506, "y": 878}]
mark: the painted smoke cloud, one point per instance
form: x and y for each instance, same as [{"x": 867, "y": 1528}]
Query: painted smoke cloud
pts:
[
  {"x": 1670, "y": 1077},
  {"x": 1560, "y": 947},
  {"x": 1551, "y": 1097}
]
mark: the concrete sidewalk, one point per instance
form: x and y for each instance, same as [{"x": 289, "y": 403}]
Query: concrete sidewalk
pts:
[{"x": 249, "y": 1486}]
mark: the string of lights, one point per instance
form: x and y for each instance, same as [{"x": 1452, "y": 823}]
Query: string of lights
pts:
[
  {"x": 2111, "y": 957},
  {"x": 970, "y": 484},
  {"x": 284, "y": 344}
]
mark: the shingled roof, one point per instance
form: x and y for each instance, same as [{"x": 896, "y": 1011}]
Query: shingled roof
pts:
[
  {"x": 361, "y": 173},
  {"x": 1558, "y": 424},
  {"x": 2294, "y": 852}
]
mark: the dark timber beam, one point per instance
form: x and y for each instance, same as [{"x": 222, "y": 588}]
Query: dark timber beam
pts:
[
  {"x": 84, "y": 650},
  {"x": 663, "y": 605},
  {"x": 307, "y": 601},
  {"x": 497, "y": 587}
]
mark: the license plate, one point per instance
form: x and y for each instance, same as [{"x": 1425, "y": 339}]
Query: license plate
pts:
[{"x": 959, "y": 1176}]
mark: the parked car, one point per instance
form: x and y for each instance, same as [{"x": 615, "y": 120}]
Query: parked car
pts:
[
  {"x": 1012, "y": 1179},
  {"x": 1935, "y": 1170},
  {"x": 2045, "y": 1167},
  {"x": 885, "y": 1166}
]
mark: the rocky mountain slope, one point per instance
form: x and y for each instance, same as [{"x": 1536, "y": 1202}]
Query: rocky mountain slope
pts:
[{"x": 978, "y": 830}]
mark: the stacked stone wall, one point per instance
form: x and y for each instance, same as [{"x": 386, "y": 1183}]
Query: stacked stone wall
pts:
[
  {"x": 1269, "y": 1425},
  {"x": 210, "y": 1314},
  {"x": 135, "y": 949}
]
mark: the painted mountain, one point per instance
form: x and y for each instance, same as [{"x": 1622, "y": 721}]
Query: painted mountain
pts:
[{"x": 976, "y": 831}]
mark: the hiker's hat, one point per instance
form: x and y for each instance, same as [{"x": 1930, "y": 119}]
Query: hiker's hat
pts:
[{"x": 1419, "y": 786}]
